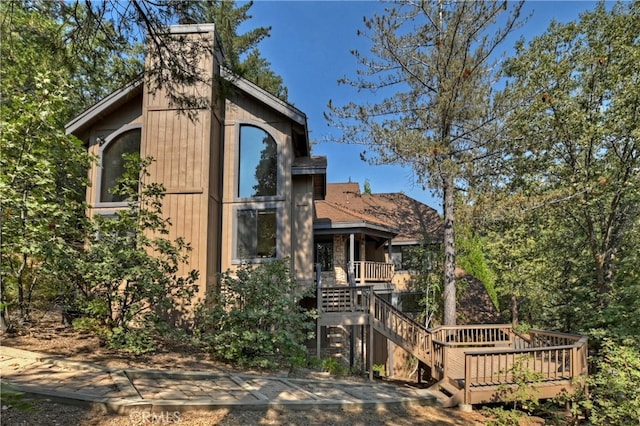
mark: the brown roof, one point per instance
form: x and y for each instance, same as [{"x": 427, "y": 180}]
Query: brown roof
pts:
[
  {"x": 413, "y": 220},
  {"x": 335, "y": 213},
  {"x": 474, "y": 304}
]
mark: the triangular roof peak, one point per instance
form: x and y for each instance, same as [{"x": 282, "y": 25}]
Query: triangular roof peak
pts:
[{"x": 127, "y": 93}]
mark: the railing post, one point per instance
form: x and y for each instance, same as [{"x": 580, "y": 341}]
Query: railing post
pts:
[{"x": 467, "y": 379}]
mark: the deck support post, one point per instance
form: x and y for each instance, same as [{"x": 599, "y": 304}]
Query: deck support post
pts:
[
  {"x": 319, "y": 309},
  {"x": 363, "y": 263},
  {"x": 370, "y": 350},
  {"x": 372, "y": 307}
]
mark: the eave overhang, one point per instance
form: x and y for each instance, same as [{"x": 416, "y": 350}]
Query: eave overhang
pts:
[
  {"x": 104, "y": 107},
  {"x": 331, "y": 228}
]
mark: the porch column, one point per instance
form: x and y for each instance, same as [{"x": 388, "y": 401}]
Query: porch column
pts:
[
  {"x": 363, "y": 258},
  {"x": 352, "y": 254},
  {"x": 352, "y": 282}
]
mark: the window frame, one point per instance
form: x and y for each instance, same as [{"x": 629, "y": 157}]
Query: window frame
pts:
[
  {"x": 317, "y": 244},
  {"x": 279, "y": 163},
  {"x": 257, "y": 207},
  {"x": 103, "y": 146}
]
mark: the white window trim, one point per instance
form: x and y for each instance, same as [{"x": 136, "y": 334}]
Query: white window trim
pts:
[
  {"x": 103, "y": 146},
  {"x": 279, "y": 230},
  {"x": 280, "y": 178}
]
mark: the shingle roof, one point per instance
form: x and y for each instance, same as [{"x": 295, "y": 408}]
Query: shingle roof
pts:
[{"x": 412, "y": 220}]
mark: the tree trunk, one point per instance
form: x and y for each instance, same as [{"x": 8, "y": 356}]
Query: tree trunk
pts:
[
  {"x": 514, "y": 310},
  {"x": 449, "y": 254}
]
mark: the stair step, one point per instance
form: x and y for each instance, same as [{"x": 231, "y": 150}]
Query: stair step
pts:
[
  {"x": 441, "y": 397},
  {"x": 449, "y": 388}
]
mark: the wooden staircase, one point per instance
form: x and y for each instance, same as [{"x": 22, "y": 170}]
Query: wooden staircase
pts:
[
  {"x": 448, "y": 393},
  {"x": 469, "y": 363},
  {"x": 401, "y": 329}
]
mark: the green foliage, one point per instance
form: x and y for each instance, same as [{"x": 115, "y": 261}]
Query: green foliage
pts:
[
  {"x": 498, "y": 416},
  {"x": 521, "y": 393},
  {"x": 379, "y": 369},
  {"x": 516, "y": 252},
  {"x": 615, "y": 396},
  {"x": 425, "y": 263},
  {"x": 11, "y": 397},
  {"x": 525, "y": 391},
  {"x": 334, "y": 367},
  {"x": 241, "y": 53},
  {"x": 367, "y": 186},
  {"x": 132, "y": 276},
  {"x": 255, "y": 319},
  {"x": 570, "y": 187},
  {"x": 43, "y": 177},
  {"x": 471, "y": 257}
]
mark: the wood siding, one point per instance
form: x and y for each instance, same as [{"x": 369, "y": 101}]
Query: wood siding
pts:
[
  {"x": 184, "y": 148},
  {"x": 241, "y": 109}
]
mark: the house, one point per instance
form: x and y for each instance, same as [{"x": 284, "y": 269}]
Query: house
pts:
[
  {"x": 366, "y": 239},
  {"x": 240, "y": 180},
  {"x": 242, "y": 186}
]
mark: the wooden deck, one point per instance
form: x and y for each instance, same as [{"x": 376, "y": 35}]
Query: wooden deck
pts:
[{"x": 471, "y": 363}]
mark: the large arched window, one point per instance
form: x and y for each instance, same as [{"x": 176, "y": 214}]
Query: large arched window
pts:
[
  {"x": 113, "y": 165},
  {"x": 258, "y": 164}
]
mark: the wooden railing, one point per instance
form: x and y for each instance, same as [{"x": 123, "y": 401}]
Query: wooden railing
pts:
[
  {"x": 494, "y": 367},
  {"x": 474, "y": 335},
  {"x": 543, "y": 338},
  {"x": 373, "y": 271},
  {"x": 474, "y": 356},
  {"x": 402, "y": 329},
  {"x": 345, "y": 299}
]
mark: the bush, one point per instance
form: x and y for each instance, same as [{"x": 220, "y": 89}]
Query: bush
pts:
[
  {"x": 256, "y": 320},
  {"x": 334, "y": 367},
  {"x": 616, "y": 384},
  {"x": 130, "y": 271}
]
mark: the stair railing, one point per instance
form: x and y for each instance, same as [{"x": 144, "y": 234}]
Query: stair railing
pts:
[{"x": 401, "y": 329}]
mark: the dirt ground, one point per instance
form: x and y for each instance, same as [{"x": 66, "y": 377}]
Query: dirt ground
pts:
[{"x": 51, "y": 337}]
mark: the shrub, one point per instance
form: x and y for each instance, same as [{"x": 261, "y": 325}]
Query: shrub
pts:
[
  {"x": 334, "y": 367},
  {"x": 131, "y": 282},
  {"x": 616, "y": 384},
  {"x": 256, "y": 320}
]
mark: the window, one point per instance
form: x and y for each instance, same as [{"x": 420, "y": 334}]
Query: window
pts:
[
  {"x": 324, "y": 255},
  {"x": 113, "y": 165},
  {"x": 412, "y": 257},
  {"x": 258, "y": 165},
  {"x": 256, "y": 234},
  {"x": 405, "y": 258}
]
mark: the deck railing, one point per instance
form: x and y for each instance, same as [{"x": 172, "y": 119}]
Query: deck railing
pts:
[
  {"x": 542, "y": 338},
  {"x": 494, "y": 367},
  {"x": 373, "y": 271},
  {"x": 345, "y": 299},
  {"x": 474, "y": 356},
  {"x": 474, "y": 335}
]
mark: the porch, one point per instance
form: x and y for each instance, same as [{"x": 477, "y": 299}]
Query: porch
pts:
[
  {"x": 470, "y": 364},
  {"x": 372, "y": 272}
]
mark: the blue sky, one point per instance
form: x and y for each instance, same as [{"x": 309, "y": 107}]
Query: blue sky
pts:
[{"x": 310, "y": 48}]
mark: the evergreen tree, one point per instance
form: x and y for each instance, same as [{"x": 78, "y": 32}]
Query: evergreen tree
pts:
[
  {"x": 242, "y": 56},
  {"x": 431, "y": 69}
]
